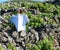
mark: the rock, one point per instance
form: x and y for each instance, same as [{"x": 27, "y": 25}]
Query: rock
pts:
[
  {"x": 56, "y": 43},
  {"x": 59, "y": 43},
  {"x": 50, "y": 32},
  {"x": 59, "y": 29},
  {"x": 56, "y": 30},
  {"x": 0, "y": 21},
  {"x": 14, "y": 43},
  {"x": 8, "y": 30},
  {"x": 23, "y": 33},
  {"x": 10, "y": 39},
  {"x": 15, "y": 35},
  {"x": 18, "y": 40},
  {"x": 37, "y": 11},
  {"x": 58, "y": 37},
  {"x": 0, "y": 34},
  {"x": 5, "y": 48},
  {"x": 35, "y": 34},
  {"x": 23, "y": 43},
  {"x": 56, "y": 19},
  {"x": 6, "y": 44},
  {"x": 0, "y": 29},
  {"x": 59, "y": 19},
  {"x": 19, "y": 48},
  {"x": 43, "y": 35},
  {"x": 3, "y": 40},
  {"x": 27, "y": 37},
  {"x": 5, "y": 34},
  {"x": 32, "y": 39},
  {"x": 45, "y": 18}
]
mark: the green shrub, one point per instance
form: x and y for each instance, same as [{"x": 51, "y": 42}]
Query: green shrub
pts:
[
  {"x": 46, "y": 44},
  {"x": 1, "y": 48},
  {"x": 11, "y": 46},
  {"x": 34, "y": 47}
]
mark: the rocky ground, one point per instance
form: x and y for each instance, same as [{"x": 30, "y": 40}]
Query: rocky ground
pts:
[
  {"x": 8, "y": 36},
  {"x": 10, "y": 39}
]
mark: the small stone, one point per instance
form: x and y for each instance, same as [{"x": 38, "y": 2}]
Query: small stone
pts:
[
  {"x": 4, "y": 40},
  {"x": 15, "y": 35},
  {"x": 18, "y": 40},
  {"x": 4, "y": 47},
  {"x": 23, "y": 33},
  {"x": 35, "y": 34},
  {"x": 19, "y": 48},
  {"x": 56, "y": 43},
  {"x": 10, "y": 39},
  {"x": 23, "y": 43},
  {"x": 46, "y": 19},
  {"x": 5, "y": 34}
]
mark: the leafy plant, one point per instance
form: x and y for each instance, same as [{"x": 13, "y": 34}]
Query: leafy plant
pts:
[
  {"x": 11, "y": 46},
  {"x": 1, "y": 48},
  {"x": 46, "y": 44}
]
